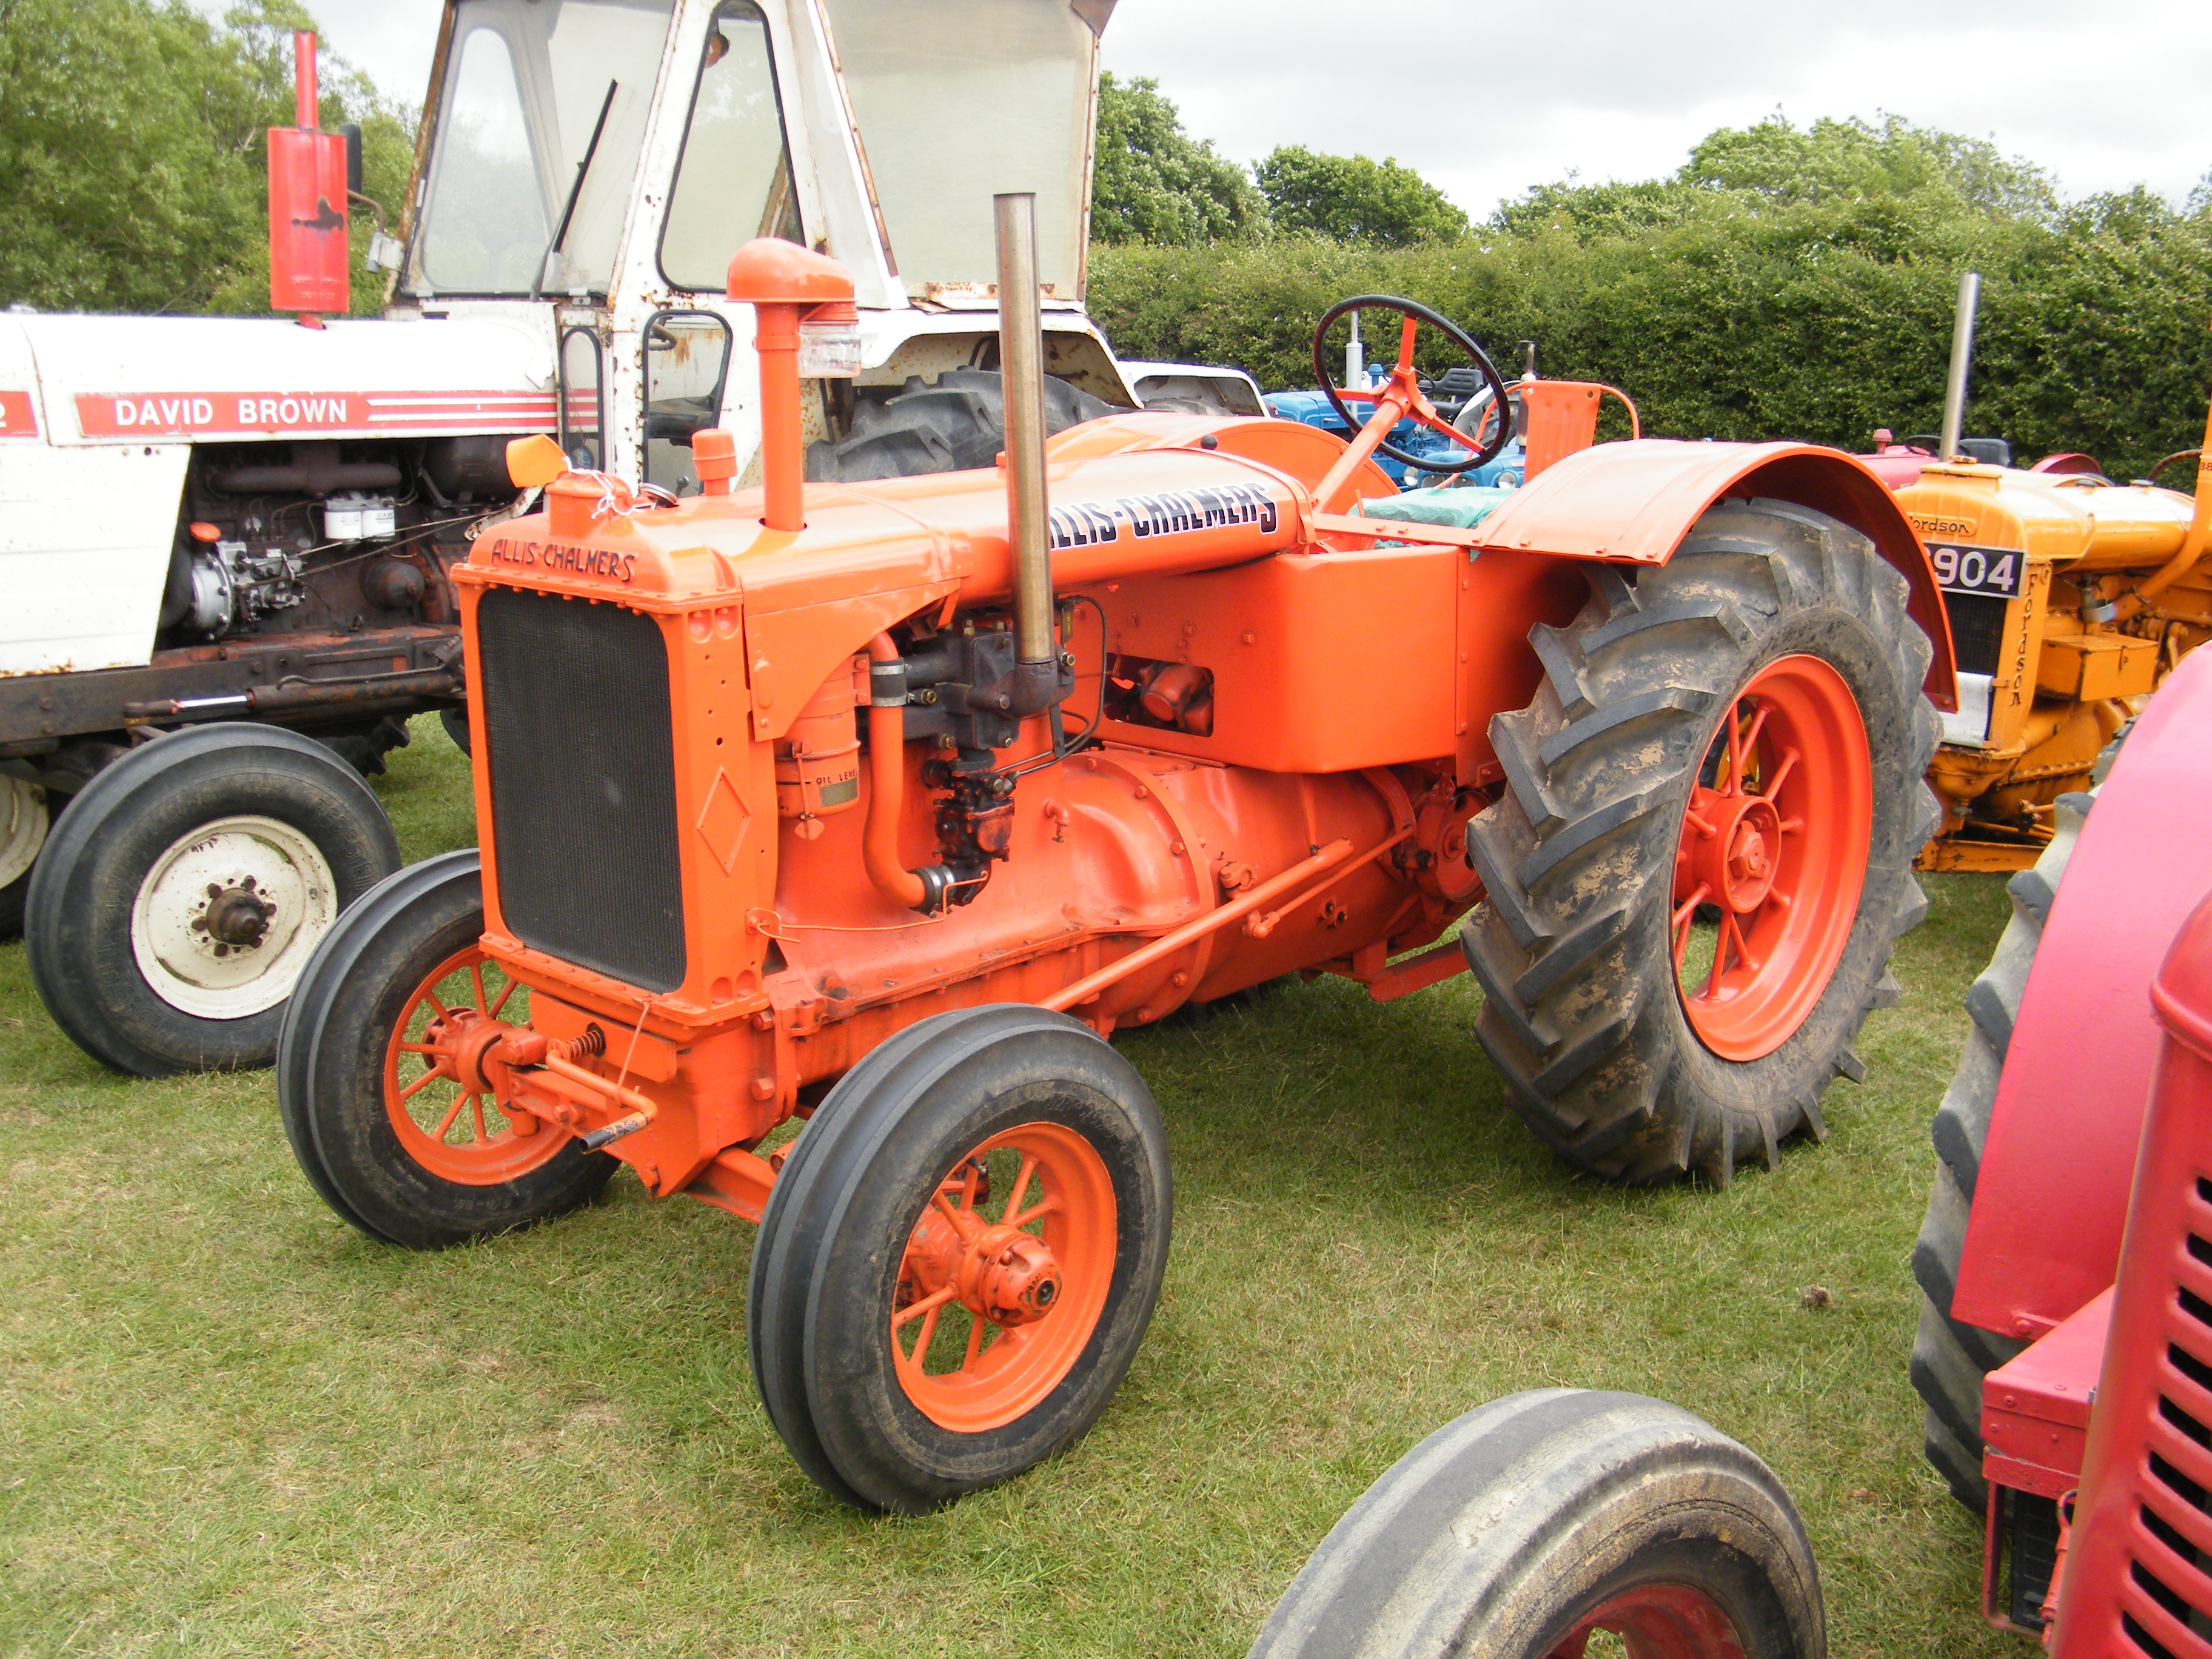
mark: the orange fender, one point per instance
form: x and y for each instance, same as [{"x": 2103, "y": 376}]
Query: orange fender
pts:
[{"x": 1632, "y": 503}]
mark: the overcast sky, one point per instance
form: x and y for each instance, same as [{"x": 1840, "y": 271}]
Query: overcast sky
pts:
[{"x": 1487, "y": 101}]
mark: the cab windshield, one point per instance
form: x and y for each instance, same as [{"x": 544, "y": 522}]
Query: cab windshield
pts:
[
  {"x": 958, "y": 103},
  {"x": 527, "y": 84}
]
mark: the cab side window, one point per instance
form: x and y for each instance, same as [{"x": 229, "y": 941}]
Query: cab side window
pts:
[{"x": 733, "y": 178}]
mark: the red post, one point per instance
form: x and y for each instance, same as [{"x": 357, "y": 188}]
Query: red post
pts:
[{"x": 303, "y": 80}]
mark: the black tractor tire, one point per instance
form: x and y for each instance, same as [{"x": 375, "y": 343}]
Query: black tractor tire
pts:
[
  {"x": 15, "y": 898},
  {"x": 364, "y": 747},
  {"x": 955, "y": 423},
  {"x": 106, "y": 929},
  {"x": 1582, "y": 1012},
  {"x": 330, "y": 1072},
  {"x": 26, "y": 819},
  {"x": 827, "y": 1265},
  {"x": 1502, "y": 1533},
  {"x": 1950, "y": 1358},
  {"x": 456, "y": 723}
]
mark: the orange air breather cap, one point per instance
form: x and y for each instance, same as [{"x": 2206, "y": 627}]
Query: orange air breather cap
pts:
[{"x": 714, "y": 458}]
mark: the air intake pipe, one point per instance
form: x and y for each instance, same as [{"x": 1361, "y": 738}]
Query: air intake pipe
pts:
[
  {"x": 802, "y": 306},
  {"x": 929, "y": 889}
]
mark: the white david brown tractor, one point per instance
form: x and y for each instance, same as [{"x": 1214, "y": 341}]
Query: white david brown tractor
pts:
[{"x": 242, "y": 526}]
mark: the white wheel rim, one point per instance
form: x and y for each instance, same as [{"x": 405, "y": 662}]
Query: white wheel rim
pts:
[
  {"x": 198, "y": 974},
  {"x": 22, "y": 826}
]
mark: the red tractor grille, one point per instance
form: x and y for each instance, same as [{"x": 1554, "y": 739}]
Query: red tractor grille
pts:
[
  {"x": 2137, "y": 1575},
  {"x": 2166, "y": 1605}
]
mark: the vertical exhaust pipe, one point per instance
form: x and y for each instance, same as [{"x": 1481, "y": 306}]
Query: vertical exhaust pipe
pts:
[
  {"x": 1021, "y": 375},
  {"x": 309, "y": 264},
  {"x": 1962, "y": 357},
  {"x": 307, "y": 104}
]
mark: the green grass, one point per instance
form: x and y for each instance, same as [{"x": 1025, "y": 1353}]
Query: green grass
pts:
[{"x": 229, "y": 1424}]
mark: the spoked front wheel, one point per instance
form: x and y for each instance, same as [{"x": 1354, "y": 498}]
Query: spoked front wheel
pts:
[
  {"x": 960, "y": 1258},
  {"x": 378, "y": 1078},
  {"x": 1526, "y": 1528}
]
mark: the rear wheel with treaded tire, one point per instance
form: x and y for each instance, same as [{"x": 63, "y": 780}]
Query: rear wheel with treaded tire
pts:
[
  {"x": 1703, "y": 857},
  {"x": 1949, "y": 1359},
  {"x": 960, "y": 1257},
  {"x": 374, "y": 1080},
  {"x": 182, "y": 892},
  {"x": 1522, "y": 1528}
]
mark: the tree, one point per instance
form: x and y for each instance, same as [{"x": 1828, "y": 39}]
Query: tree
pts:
[
  {"x": 1840, "y": 165},
  {"x": 132, "y": 150},
  {"x": 1832, "y": 159},
  {"x": 1152, "y": 182},
  {"x": 1353, "y": 198}
]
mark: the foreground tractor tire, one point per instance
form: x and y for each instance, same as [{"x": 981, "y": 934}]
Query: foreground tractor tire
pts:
[
  {"x": 960, "y": 1258},
  {"x": 1703, "y": 857},
  {"x": 1949, "y": 1359},
  {"x": 24, "y": 821},
  {"x": 182, "y": 892},
  {"x": 369, "y": 1088},
  {"x": 1522, "y": 1528}
]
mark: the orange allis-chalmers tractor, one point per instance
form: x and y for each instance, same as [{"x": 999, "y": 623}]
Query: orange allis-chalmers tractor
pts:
[{"x": 882, "y": 805}]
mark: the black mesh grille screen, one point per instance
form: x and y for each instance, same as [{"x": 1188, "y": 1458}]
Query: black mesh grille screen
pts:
[
  {"x": 1977, "y": 630},
  {"x": 583, "y": 783}
]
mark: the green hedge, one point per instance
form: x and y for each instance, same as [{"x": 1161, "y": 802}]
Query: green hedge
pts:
[{"x": 1731, "y": 319}]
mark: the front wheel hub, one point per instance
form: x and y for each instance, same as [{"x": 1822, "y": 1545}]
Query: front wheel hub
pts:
[
  {"x": 994, "y": 1307},
  {"x": 225, "y": 918},
  {"x": 999, "y": 1273},
  {"x": 439, "y": 1093},
  {"x": 1010, "y": 1277},
  {"x": 236, "y": 917},
  {"x": 468, "y": 1037}
]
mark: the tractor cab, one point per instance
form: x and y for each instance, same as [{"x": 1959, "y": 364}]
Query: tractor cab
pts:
[{"x": 588, "y": 167}]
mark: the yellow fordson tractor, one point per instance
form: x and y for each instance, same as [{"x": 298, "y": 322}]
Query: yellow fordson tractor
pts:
[{"x": 2070, "y": 597}]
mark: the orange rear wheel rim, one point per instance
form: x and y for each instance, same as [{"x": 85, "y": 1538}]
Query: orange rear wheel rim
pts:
[
  {"x": 961, "y": 1368},
  {"x": 457, "y": 1132},
  {"x": 1772, "y": 857}
]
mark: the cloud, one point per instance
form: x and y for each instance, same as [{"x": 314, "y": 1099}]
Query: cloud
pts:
[
  {"x": 391, "y": 40},
  {"x": 1488, "y": 102}
]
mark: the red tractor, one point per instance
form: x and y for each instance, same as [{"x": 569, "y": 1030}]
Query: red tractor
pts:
[
  {"x": 2065, "y": 1348},
  {"x": 880, "y": 806}
]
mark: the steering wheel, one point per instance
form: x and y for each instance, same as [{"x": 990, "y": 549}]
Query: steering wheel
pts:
[{"x": 1402, "y": 397}]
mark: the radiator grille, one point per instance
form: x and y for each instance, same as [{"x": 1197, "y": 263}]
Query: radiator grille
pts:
[
  {"x": 2168, "y": 1572},
  {"x": 583, "y": 783},
  {"x": 1977, "y": 630}
]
